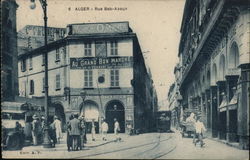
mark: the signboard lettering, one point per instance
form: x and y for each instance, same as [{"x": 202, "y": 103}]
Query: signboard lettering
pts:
[
  {"x": 120, "y": 27},
  {"x": 101, "y": 62}
]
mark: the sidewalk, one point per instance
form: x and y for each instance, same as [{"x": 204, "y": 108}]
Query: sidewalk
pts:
[
  {"x": 230, "y": 144},
  {"x": 61, "y": 149},
  {"x": 212, "y": 150}
]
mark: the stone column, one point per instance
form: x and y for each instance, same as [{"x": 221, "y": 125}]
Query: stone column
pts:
[
  {"x": 221, "y": 88},
  {"x": 243, "y": 106},
  {"x": 231, "y": 82},
  {"x": 208, "y": 107},
  {"x": 214, "y": 112}
]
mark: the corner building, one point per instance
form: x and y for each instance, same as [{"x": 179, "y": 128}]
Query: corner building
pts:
[
  {"x": 9, "y": 81},
  {"x": 97, "y": 70},
  {"x": 214, "y": 54}
]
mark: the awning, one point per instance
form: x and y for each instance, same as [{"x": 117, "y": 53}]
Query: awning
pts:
[{"x": 233, "y": 104}]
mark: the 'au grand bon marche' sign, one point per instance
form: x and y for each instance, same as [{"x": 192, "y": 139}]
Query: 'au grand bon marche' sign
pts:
[{"x": 101, "y": 62}]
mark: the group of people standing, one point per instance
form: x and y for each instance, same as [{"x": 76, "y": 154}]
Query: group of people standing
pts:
[
  {"x": 77, "y": 132},
  {"x": 38, "y": 127}
]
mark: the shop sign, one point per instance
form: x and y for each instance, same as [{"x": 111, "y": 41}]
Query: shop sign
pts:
[
  {"x": 101, "y": 62},
  {"x": 118, "y": 27}
]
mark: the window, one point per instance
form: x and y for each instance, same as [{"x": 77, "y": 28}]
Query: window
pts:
[
  {"x": 114, "y": 78},
  {"x": 32, "y": 87},
  {"x": 101, "y": 49},
  {"x": 23, "y": 65},
  {"x": 113, "y": 48},
  {"x": 30, "y": 63},
  {"x": 87, "y": 49},
  {"x": 43, "y": 59},
  {"x": 57, "y": 55},
  {"x": 88, "y": 78},
  {"x": 58, "y": 85}
]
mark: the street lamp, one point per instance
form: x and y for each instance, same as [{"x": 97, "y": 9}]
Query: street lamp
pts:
[{"x": 46, "y": 141}]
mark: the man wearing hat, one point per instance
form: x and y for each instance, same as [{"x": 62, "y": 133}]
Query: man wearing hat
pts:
[
  {"x": 74, "y": 125},
  {"x": 35, "y": 129},
  {"x": 58, "y": 128}
]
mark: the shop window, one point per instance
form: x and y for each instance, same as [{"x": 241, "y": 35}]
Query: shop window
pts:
[
  {"x": 114, "y": 78},
  {"x": 113, "y": 48},
  {"x": 87, "y": 49},
  {"x": 88, "y": 78}
]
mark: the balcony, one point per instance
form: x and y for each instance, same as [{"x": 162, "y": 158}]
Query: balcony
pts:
[{"x": 217, "y": 26}]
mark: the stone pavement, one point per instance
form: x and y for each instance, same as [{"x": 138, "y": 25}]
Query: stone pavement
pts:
[
  {"x": 137, "y": 146},
  {"x": 212, "y": 150},
  {"x": 61, "y": 149}
]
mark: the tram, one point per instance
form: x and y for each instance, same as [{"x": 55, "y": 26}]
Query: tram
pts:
[
  {"x": 15, "y": 135},
  {"x": 163, "y": 121}
]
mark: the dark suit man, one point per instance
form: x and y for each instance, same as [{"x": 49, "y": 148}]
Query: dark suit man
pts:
[{"x": 75, "y": 131}]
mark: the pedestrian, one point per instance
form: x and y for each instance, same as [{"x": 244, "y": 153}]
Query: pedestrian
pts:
[
  {"x": 75, "y": 131},
  {"x": 69, "y": 137},
  {"x": 42, "y": 123},
  {"x": 199, "y": 129},
  {"x": 58, "y": 128},
  {"x": 82, "y": 131},
  {"x": 192, "y": 120},
  {"x": 116, "y": 130},
  {"x": 105, "y": 128},
  {"x": 52, "y": 134},
  {"x": 35, "y": 129},
  {"x": 93, "y": 130}
]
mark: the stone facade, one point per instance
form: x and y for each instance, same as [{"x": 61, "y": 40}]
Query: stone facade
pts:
[
  {"x": 175, "y": 98},
  {"x": 9, "y": 81},
  {"x": 214, "y": 53},
  {"x": 31, "y": 37},
  {"x": 96, "y": 71}
]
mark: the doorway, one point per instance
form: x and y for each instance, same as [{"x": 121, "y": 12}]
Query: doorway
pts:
[{"x": 115, "y": 109}]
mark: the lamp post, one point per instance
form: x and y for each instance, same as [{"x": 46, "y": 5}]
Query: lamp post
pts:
[
  {"x": 83, "y": 95},
  {"x": 46, "y": 141}
]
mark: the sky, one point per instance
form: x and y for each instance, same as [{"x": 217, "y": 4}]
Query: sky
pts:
[{"x": 156, "y": 23}]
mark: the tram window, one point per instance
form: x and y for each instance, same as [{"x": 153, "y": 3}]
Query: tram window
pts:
[
  {"x": 29, "y": 119},
  {"x": 13, "y": 116}
]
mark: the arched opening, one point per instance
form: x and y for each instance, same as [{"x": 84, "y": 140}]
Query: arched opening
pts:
[
  {"x": 115, "y": 109},
  {"x": 90, "y": 111},
  {"x": 214, "y": 73},
  {"x": 233, "y": 59},
  {"x": 59, "y": 112},
  {"x": 222, "y": 67}
]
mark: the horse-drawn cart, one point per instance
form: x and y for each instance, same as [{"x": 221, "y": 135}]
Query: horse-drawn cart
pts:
[{"x": 187, "y": 128}]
